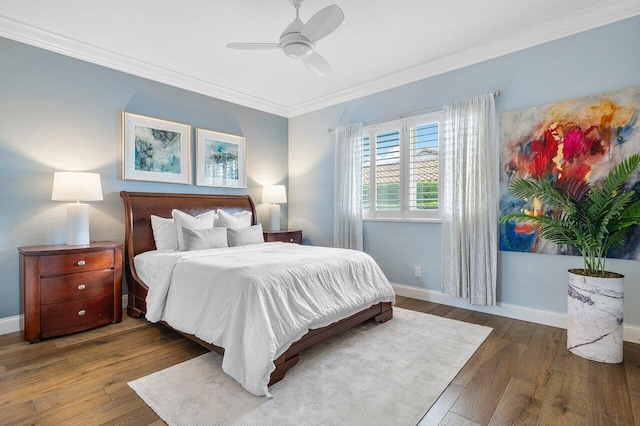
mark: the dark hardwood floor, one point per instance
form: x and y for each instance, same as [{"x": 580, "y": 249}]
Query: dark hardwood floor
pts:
[{"x": 522, "y": 374}]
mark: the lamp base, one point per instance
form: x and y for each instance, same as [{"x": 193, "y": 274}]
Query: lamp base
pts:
[
  {"x": 274, "y": 217},
  {"x": 77, "y": 224}
]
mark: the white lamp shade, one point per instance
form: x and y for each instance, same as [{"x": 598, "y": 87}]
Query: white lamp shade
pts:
[
  {"x": 76, "y": 186},
  {"x": 274, "y": 194}
]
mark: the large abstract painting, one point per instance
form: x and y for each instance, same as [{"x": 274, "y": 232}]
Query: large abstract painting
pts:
[
  {"x": 581, "y": 139},
  {"x": 156, "y": 150}
]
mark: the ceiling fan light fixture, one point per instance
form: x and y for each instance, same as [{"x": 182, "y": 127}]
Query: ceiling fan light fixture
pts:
[
  {"x": 298, "y": 39},
  {"x": 297, "y": 50}
]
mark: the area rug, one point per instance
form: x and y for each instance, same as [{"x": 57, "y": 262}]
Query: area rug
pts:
[{"x": 373, "y": 374}]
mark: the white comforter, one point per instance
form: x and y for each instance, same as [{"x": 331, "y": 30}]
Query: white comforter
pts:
[{"x": 255, "y": 301}]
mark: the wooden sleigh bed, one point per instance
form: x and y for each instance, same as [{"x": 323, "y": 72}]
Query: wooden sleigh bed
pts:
[{"x": 139, "y": 206}]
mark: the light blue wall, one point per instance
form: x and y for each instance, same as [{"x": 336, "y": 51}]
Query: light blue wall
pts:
[
  {"x": 592, "y": 62},
  {"x": 58, "y": 113}
]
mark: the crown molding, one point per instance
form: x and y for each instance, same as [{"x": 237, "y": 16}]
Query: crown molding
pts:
[
  {"x": 583, "y": 20},
  {"x": 602, "y": 14},
  {"x": 37, "y": 37}
]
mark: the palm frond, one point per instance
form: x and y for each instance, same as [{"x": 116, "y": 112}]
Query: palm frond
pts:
[
  {"x": 542, "y": 190},
  {"x": 630, "y": 216},
  {"x": 618, "y": 176},
  {"x": 616, "y": 239},
  {"x": 603, "y": 192}
]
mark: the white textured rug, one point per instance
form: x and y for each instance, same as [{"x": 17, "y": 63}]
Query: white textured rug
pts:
[{"x": 374, "y": 374}]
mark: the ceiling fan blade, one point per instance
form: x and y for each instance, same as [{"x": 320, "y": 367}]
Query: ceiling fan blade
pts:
[
  {"x": 323, "y": 23},
  {"x": 253, "y": 46},
  {"x": 317, "y": 65}
]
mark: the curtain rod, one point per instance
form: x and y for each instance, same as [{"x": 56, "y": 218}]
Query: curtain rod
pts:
[{"x": 407, "y": 114}]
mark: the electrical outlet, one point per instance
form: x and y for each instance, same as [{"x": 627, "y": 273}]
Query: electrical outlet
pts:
[{"x": 418, "y": 271}]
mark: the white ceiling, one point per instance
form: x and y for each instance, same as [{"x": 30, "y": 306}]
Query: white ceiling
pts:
[{"x": 381, "y": 43}]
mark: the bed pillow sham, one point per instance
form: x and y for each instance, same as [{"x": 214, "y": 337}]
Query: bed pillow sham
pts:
[
  {"x": 245, "y": 236},
  {"x": 202, "y": 239},
  {"x": 238, "y": 220},
  {"x": 164, "y": 233},
  {"x": 185, "y": 220}
]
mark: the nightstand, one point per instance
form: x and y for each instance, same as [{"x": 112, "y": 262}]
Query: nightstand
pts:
[
  {"x": 284, "y": 235},
  {"x": 65, "y": 289}
]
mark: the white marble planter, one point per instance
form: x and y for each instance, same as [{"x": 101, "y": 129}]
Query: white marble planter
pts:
[{"x": 594, "y": 311}]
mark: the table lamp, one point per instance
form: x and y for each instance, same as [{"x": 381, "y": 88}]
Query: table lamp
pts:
[
  {"x": 274, "y": 194},
  {"x": 76, "y": 186}
]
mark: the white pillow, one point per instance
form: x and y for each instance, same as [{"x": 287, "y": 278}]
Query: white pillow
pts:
[
  {"x": 236, "y": 220},
  {"x": 164, "y": 233},
  {"x": 245, "y": 236},
  {"x": 182, "y": 219},
  {"x": 201, "y": 239}
]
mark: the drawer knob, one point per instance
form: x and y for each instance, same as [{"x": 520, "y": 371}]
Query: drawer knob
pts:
[
  {"x": 290, "y": 240},
  {"x": 82, "y": 287},
  {"x": 81, "y": 263},
  {"x": 82, "y": 312}
]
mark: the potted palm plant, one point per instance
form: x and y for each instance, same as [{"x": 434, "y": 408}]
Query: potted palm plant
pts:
[{"x": 594, "y": 219}]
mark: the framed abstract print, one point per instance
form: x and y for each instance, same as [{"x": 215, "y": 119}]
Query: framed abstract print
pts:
[
  {"x": 221, "y": 159},
  {"x": 155, "y": 150}
]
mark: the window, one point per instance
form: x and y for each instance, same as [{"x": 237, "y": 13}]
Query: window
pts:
[{"x": 401, "y": 169}]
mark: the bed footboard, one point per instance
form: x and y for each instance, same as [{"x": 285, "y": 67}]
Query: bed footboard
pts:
[{"x": 382, "y": 312}]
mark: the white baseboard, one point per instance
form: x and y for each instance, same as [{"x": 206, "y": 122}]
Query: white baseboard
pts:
[
  {"x": 555, "y": 319},
  {"x": 12, "y": 324}
]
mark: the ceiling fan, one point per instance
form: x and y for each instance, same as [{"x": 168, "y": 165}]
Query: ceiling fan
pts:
[{"x": 298, "y": 39}]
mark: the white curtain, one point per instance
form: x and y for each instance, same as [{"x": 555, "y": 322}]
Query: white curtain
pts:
[
  {"x": 347, "y": 202},
  {"x": 470, "y": 211}
]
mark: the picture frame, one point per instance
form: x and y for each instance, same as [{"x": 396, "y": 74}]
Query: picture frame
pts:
[
  {"x": 221, "y": 159},
  {"x": 155, "y": 150}
]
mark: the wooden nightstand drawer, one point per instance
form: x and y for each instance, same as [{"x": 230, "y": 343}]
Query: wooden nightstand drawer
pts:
[
  {"x": 65, "y": 289},
  {"x": 85, "y": 285},
  {"x": 286, "y": 236},
  {"x": 76, "y": 262},
  {"x": 71, "y": 315}
]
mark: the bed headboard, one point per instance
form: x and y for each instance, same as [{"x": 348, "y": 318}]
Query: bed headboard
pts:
[{"x": 139, "y": 206}]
